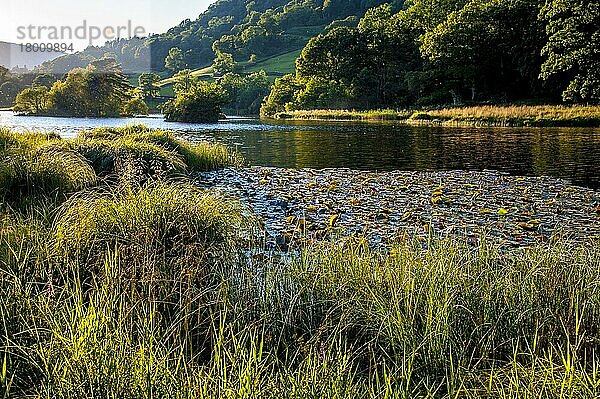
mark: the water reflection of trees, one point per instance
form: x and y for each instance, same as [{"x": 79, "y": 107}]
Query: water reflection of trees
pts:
[{"x": 569, "y": 153}]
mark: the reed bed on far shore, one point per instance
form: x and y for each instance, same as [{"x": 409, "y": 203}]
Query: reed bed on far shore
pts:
[{"x": 485, "y": 115}]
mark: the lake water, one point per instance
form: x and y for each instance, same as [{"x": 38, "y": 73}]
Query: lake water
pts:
[{"x": 569, "y": 153}]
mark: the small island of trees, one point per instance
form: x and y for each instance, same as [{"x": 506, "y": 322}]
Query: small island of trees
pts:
[{"x": 100, "y": 90}]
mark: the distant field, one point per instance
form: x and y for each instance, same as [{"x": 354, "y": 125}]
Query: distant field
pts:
[
  {"x": 207, "y": 71},
  {"x": 167, "y": 90},
  {"x": 276, "y": 66}
]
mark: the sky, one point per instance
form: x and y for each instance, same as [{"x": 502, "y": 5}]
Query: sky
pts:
[{"x": 150, "y": 16}]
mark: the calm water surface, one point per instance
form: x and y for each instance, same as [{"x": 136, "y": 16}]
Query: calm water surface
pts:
[{"x": 570, "y": 153}]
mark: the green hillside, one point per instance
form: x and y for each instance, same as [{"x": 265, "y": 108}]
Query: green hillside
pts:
[
  {"x": 274, "y": 67},
  {"x": 242, "y": 28},
  {"x": 203, "y": 72},
  {"x": 278, "y": 65}
]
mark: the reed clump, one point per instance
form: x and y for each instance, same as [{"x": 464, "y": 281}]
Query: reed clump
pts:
[
  {"x": 146, "y": 152},
  {"x": 157, "y": 228},
  {"x": 538, "y": 116},
  {"x": 342, "y": 115},
  {"x": 36, "y": 164}
]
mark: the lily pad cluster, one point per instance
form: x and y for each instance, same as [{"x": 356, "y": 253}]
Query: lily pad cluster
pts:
[{"x": 296, "y": 205}]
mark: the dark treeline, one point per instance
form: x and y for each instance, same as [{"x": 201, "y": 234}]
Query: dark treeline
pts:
[
  {"x": 450, "y": 51},
  {"x": 13, "y": 82}
]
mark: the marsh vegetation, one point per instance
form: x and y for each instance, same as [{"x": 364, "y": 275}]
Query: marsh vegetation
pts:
[
  {"x": 120, "y": 278},
  {"x": 499, "y": 116}
]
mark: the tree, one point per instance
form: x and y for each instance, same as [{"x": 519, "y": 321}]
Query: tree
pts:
[
  {"x": 107, "y": 87},
  {"x": 201, "y": 104},
  {"x": 44, "y": 80},
  {"x": 32, "y": 101},
  {"x": 573, "y": 48},
  {"x": 233, "y": 84},
  {"x": 147, "y": 85},
  {"x": 481, "y": 52},
  {"x": 184, "y": 81},
  {"x": 68, "y": 97},
  {"x": 321, "y": 93},
  {"x": 100, "y": 90},
  {"x": 175, "y": 60},
  {"x": 391, "y": 51},
  {"x": 282, "y": 95},
  {"x": 135, "y": 106},
  {"x": 10, "y": 86},
  {"x": 370, "y": 62},
  {"x": 256, "y": 88},
  {"x": 245, "y": 93},
  {"x": 224, "y": 63},
  {"x": 8, "y": 93},
  {"x": 4, "y": 75},
  {"x": 338, "y": 54}
]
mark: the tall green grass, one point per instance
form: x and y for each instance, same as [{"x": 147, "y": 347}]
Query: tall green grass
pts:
[
  {"x": 156, "y": 229},
  {"x": 160, "y": 289},
  {"x": 340, "y": 320},
  {"x": 35, "y": 164}
]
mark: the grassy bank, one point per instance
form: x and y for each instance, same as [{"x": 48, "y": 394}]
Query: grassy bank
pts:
[
  {"x": 509, "y": 116},
  {"x": 38, "y": 164},
  {"x": 152, "y": 287}
]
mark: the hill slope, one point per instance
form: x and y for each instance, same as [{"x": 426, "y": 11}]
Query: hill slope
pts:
[{"x": 241, "y": 27}]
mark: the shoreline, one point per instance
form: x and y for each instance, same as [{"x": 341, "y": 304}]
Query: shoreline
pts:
[{"x": 476, "y": 116}]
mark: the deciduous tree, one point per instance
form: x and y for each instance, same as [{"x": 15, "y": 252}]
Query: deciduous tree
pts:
[{"x": 573, "y": 47}]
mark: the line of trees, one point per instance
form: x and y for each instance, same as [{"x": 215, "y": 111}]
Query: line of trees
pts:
[
  {"x": 12, "y": 83},
  {"x": 442, "y": 51}
]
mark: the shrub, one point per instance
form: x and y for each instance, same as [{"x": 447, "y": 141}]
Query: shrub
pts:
[
  {"x": 201, "y": 104},
  {"x": 32, "y": 101},
  {"x": 129, "y": 159},
  {"x": 135, "y": 106}
]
